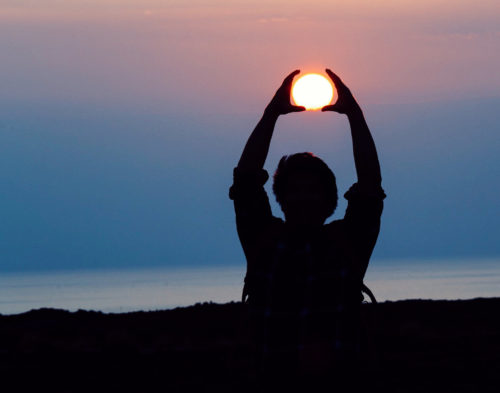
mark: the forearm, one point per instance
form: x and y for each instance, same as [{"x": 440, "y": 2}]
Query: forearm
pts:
[
  {"x": 257, "y": 147},
  {"x": 365, "y": 152}
]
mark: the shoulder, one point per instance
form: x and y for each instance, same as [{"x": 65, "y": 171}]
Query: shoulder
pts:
[
  {"x": 360, "y": 191},
  {"x": 334, "y": 226},
  {"x": 336, "y": 232},
  {"x": 276, "y": 225}
]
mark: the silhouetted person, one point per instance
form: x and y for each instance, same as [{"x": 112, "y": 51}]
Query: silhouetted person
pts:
[{"x": 304, "y": 277}]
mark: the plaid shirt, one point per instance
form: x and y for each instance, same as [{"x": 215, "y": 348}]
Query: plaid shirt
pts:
[{"x": 304, "y": 291}]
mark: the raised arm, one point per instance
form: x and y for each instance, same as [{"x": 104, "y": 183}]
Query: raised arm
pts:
[
  {"x": 365, "y": 153},
  {"x": 255, "y": 153}
]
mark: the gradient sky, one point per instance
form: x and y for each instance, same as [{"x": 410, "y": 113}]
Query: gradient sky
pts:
[{"x": 121, "y": 122}]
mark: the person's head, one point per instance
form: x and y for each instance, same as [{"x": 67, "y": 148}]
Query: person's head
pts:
[{"x": 305, "y": 188}]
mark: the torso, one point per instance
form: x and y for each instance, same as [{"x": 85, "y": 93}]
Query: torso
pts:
[{"x": 305, "y": 293}]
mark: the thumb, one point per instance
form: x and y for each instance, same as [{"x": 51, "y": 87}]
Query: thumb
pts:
[
  {"x": 330, "y": 108},
  {"x": 295, "y": 108}
]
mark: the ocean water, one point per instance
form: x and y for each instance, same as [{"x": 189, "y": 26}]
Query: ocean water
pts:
[
  {"x": 438, "y": 279},
  {"x": 127, "y": 290}
]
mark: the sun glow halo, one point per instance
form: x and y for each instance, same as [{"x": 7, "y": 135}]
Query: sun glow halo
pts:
[{"x": 313, "y": 91}]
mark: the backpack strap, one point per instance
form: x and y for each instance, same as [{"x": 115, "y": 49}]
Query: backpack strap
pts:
[
  {"x": 365, "y": 289},
  {"x": 244, "y": 294}
]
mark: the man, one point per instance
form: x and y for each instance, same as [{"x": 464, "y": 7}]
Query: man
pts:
[{"x": 304, "y": 277}]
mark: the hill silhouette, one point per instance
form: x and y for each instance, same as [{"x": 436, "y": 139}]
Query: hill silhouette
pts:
[{"x": 414, "y": 346}]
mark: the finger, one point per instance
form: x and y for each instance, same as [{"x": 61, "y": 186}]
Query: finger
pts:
[
  {"x": 290, "y": 77},
  {"x": 334, "y": 77}
]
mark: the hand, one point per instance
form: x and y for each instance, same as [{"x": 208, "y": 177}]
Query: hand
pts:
[
  {"x": 345, "y": 102},
  {"x": 280, "y": 104}
]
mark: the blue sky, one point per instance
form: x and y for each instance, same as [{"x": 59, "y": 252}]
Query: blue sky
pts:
[{"x": 121, "y": 123}]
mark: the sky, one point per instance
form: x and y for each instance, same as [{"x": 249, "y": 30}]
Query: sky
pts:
[{"x": 121, "y": 122}]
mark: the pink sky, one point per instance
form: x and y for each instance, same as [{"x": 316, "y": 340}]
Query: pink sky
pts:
[{"x": 226, "y": 56}]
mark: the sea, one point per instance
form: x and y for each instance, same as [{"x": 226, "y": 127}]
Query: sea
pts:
[{"x": 148, "y": 289}]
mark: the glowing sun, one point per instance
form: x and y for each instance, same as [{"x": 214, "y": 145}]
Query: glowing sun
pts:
[{"x": 313, "y": 91}]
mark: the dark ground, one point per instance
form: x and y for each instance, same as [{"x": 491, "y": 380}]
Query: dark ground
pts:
[{"x": 416, "y": 346}]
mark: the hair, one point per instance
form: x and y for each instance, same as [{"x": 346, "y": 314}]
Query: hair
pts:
[{"x": 290, "y": 164}]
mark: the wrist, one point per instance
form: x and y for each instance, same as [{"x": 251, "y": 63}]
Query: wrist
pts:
[
  {"x": 271, "y": 113},
  {"x": 354, "y": 112}
]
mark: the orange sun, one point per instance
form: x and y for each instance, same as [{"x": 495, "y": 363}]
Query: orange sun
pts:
[{"x": 313, "y": 91}]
